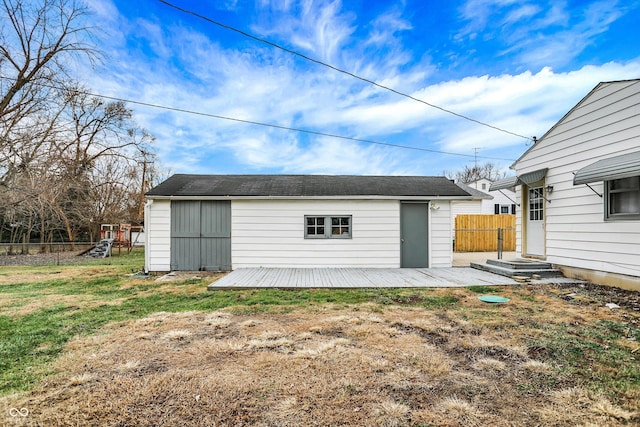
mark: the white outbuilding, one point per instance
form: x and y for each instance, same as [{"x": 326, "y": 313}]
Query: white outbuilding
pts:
[{"x": 224, "y": 222}]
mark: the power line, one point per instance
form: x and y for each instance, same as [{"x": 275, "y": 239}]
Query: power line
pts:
[
  {"x": 271, "y": 125},
  {"x": 333, "y": 67}
]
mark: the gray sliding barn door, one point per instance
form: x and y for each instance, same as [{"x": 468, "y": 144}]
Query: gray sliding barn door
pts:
[{"x": 201, "y": 235}]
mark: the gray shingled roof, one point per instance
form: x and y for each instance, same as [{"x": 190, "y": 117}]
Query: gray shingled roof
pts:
[
  {"x": 180, "y": 185},
  {"x": 477, "y": 194}
]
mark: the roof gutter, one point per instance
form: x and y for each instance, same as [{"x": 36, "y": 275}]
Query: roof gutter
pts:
[{"x": 361, "y": 197}]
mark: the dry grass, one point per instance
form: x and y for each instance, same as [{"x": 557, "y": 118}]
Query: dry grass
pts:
[
  {"x": 386, "y": 358},
  {"x": 329, "y": 365}
]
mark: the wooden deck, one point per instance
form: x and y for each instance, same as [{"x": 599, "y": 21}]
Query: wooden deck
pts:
[{"x": 358, "y": 278}]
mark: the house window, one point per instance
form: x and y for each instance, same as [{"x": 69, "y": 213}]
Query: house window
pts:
[
  {"x": 536, "y": 204},
  {"x": 623, "y": 199},
  {"x": 499, "y": 209},
  {"x": 327, "y": 227}
]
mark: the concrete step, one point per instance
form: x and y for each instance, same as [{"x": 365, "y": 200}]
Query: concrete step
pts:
[
  {"x": 510, "y": 272},
  {"x": 521, "y": 264}
]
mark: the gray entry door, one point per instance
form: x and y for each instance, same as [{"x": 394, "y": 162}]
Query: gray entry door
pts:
[
  {"x": 201, "y": 235},
  {"x": 414, "y": 235}
]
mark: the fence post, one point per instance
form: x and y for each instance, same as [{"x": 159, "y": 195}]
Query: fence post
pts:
[{"x": 499, "y": 243}]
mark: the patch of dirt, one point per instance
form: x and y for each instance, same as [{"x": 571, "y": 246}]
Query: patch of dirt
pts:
[
  {"x": 187, "y": 275},
  {"x": 360, "y": 365},
  {"x": 591, "y": 293}
]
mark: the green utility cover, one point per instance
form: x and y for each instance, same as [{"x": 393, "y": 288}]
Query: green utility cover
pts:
[{"x": 492, "y": 298}]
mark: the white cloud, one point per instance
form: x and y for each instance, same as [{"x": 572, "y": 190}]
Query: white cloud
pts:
[
  {"x": 527, "y": 104},
  {"x": 191, "y": 71},
  {"x": 523, "y": 12},
  {"x": 316, "y": 26},
  {"x": 537, "y": 34},
  {"x": 478, "y": 14}
]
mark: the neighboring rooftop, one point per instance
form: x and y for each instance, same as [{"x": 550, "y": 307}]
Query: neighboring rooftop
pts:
[
  {"x": 477, "y": 194},
  {"x": 183, "y": 185}
]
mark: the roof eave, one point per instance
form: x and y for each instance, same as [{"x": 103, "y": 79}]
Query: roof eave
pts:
[
  {"x": 359, "y": 197},
  {"x": 539, "y": 140}
]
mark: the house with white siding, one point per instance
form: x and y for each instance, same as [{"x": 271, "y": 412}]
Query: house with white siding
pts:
[
  {"x": 224, "y": 222},
  {"x": 579, "y": 189},
  {"x": 478, "y": 204},
  {"x": 484, "y": 201},
  {"x": 499, "y": 202}
]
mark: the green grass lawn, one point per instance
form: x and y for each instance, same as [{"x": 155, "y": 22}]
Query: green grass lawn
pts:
[
  {"x": 43, "y": 308},
  {"x": 39, "y": 316}
]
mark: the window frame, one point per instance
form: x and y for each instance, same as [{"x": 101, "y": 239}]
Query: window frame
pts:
[
  {"x": 535, "y": 202},
  {"x": 609, "y": 192},
  {"x": 328, "y": 227}
]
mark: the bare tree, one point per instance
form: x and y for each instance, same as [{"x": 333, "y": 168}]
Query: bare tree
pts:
[
  {"x": 96, "y": 154},
  {"x": 469, "y": 174},
  {"x": 68, "y": 160},
  {"x": 36, "y": 40}
]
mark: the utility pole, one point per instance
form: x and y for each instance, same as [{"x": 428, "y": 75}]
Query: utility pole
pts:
[
  {"x": 143, "y": 186},
  {"x": 475, "y": 162},
  {"x": 475, "y": 156}
]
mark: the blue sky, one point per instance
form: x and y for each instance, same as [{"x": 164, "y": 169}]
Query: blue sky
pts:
[{"x": 516, "y": 65}]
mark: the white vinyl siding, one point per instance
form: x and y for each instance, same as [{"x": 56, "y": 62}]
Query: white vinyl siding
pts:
[
  {"x": 441, "y": 235},
  {"x": 506, "y": 199},
  {"x": 467, "y": 207},
  {"x": 158, "y": 235},
  {"x": 605, "y": 124},
  {"x": 271, "y": 233}
]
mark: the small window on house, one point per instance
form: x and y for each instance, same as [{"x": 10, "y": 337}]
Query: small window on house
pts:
[
  {"x": 622, "y": 200},
  {"x": 484, "y": 185},
  {"x": 315, "y": 226},
  {"x": 327, "y": 227},
  {"x": 501, "y": 209}
]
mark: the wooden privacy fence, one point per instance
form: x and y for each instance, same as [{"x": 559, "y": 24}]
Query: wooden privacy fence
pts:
[{"x": 479, "y": 233}]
